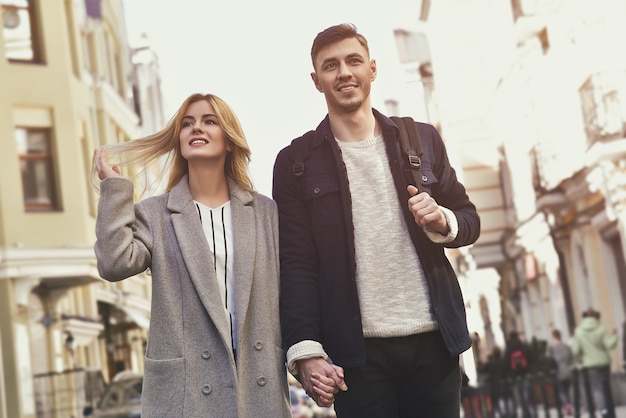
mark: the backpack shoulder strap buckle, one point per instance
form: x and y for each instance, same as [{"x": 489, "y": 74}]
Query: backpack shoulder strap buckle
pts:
[
  {"x": 415, "y": 161},
  {"x": 299, "y": 152},
  {"x": 409, "y": 140},
  {"x": 298, "y": 168}
]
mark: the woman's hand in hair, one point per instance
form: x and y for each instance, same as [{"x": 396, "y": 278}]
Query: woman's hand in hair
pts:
[{"x": 104, "y": 170}]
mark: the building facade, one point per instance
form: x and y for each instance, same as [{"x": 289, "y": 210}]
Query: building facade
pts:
[
  {"x": 531, "y": 99},
  {"x": 529, "y": 95},
  {"x": 69, "y": 83}
]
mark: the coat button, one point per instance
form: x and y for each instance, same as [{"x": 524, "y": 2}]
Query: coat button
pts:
[
  {"x": 316, "y": 190},
  {"x": 424, "y": 178},
  {"x": 206, "y": 354},
  {"x": 206, "y": 389},
  {"x": 262, "y": 381},
  {"x": 258, "y": 345}
]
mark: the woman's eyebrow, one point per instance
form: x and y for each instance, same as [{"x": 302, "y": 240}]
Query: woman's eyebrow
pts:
[{"x": 203, "y": 116}]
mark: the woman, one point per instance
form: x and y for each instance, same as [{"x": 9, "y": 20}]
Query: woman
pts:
[
  {"x": 211, "y": 244},
  {"x": 561, "y": 354}
]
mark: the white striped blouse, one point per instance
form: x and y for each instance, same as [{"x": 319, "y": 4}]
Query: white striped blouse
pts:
[{"x": 218, "y": 229}]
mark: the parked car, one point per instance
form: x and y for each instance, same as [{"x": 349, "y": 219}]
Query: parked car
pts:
[
  {"x": 321, "y": 411},
  {"x": 121, "y": 398},
  {"x": 302, "y": 406}
]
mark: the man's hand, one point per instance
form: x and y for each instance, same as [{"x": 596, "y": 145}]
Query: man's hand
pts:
[
  {"x": 426, "y": 211},
  {"x": 321, "y": 380}
]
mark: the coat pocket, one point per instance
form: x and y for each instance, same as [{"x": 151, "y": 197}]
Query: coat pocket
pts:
[{"x": 163, "y": 388}]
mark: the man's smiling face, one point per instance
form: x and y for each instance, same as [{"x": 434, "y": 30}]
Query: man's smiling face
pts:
[{"x": 344, "y": 73}]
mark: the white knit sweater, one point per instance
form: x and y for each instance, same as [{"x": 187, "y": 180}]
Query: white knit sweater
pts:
[{"x": 393, "y": 292}]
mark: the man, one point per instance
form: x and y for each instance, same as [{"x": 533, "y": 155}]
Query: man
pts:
[
  {"x": 519, "y": 360},
  {"x": 564, "y": 359},
  {"x": 624, "y": 346},
  {"x": 371, "y": 310}
]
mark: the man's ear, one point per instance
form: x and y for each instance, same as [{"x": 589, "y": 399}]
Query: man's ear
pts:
[
  {"x": 373, "y": 71},
  {"x": 316, "y": 82}
]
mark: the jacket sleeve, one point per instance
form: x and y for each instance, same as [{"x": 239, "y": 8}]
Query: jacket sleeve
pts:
[
  {"x": 449, "y": 192},
  {"x": 123, "y": 237},
  {"x": 299, "y": 305},
  {"x": 609, "y": 340}
]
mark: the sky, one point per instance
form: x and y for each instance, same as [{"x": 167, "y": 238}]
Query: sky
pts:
[{"x": 256, "y": 56}]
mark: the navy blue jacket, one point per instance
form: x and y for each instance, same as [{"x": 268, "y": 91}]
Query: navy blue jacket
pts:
[{"x": 319, "y": 299}]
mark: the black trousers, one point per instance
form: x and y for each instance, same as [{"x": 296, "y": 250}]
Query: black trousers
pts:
[{"x": 404, "y": 377}]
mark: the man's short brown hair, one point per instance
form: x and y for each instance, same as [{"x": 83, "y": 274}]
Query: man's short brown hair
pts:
[{"x": 335, "y": 34}]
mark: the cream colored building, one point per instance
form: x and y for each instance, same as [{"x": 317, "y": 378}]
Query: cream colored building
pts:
[
  {"x": 531, "y": 99},
  {"x": 68, "y": 84},
  {"x": 529, "y": 95}
]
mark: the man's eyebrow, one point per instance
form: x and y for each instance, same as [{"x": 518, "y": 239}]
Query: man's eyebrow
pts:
[
  {"x": 327, "y": 60},
  {"x": 355, "y": 55}
]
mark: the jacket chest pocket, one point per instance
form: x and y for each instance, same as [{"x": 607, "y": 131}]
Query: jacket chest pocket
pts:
[
  {"x": 428, "y": 180},
  {"x": 323, "y": 201}
]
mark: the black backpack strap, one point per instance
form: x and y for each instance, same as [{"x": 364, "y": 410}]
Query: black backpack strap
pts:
[
  {"x": 299, "y": 152},
  {"x": 411, "y": 145}
]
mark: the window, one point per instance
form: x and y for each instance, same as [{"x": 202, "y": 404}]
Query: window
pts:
[
  {"x": 19, "y": 30},
  {"x": 90, "y": 52},
  {"x": 603, "y": 106},
  {"x": 37, "y": 169}
]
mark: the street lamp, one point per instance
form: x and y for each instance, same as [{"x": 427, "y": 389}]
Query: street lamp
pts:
[{"x": 69, "y": 342}]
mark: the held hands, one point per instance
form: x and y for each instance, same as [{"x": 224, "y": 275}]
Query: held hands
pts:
[
  {"x": 321, "y": 380},
  {"x": 426, "y": 211},
  {"x": 104, "y": 170}
]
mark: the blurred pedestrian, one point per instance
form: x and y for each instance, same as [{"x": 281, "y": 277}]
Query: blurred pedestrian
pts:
[
  {"x": 518, "y": 357},
  {"x": 211, "y": 246},
  {"x": 591, "y": 348},
  {"x": 563, "y": 358},
  {"x": 500, "y": 392},
  {"x": 624, "y": 346}
]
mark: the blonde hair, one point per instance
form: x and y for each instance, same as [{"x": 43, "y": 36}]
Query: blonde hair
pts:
[{"x": 143, "y": 152}]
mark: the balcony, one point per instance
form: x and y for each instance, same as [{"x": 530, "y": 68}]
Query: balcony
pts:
[{"x": 603, "y": 99}]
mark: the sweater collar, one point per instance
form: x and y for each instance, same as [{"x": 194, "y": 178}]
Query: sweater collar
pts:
[{"x": 323, "y": 131}]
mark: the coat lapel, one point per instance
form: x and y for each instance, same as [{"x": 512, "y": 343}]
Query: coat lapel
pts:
[
  {"x": 245, "y": 241},
  {"x": 195, "y": 251}
]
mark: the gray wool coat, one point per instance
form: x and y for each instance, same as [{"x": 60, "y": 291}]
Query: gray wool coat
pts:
[{"x": 189, "y": 369}]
